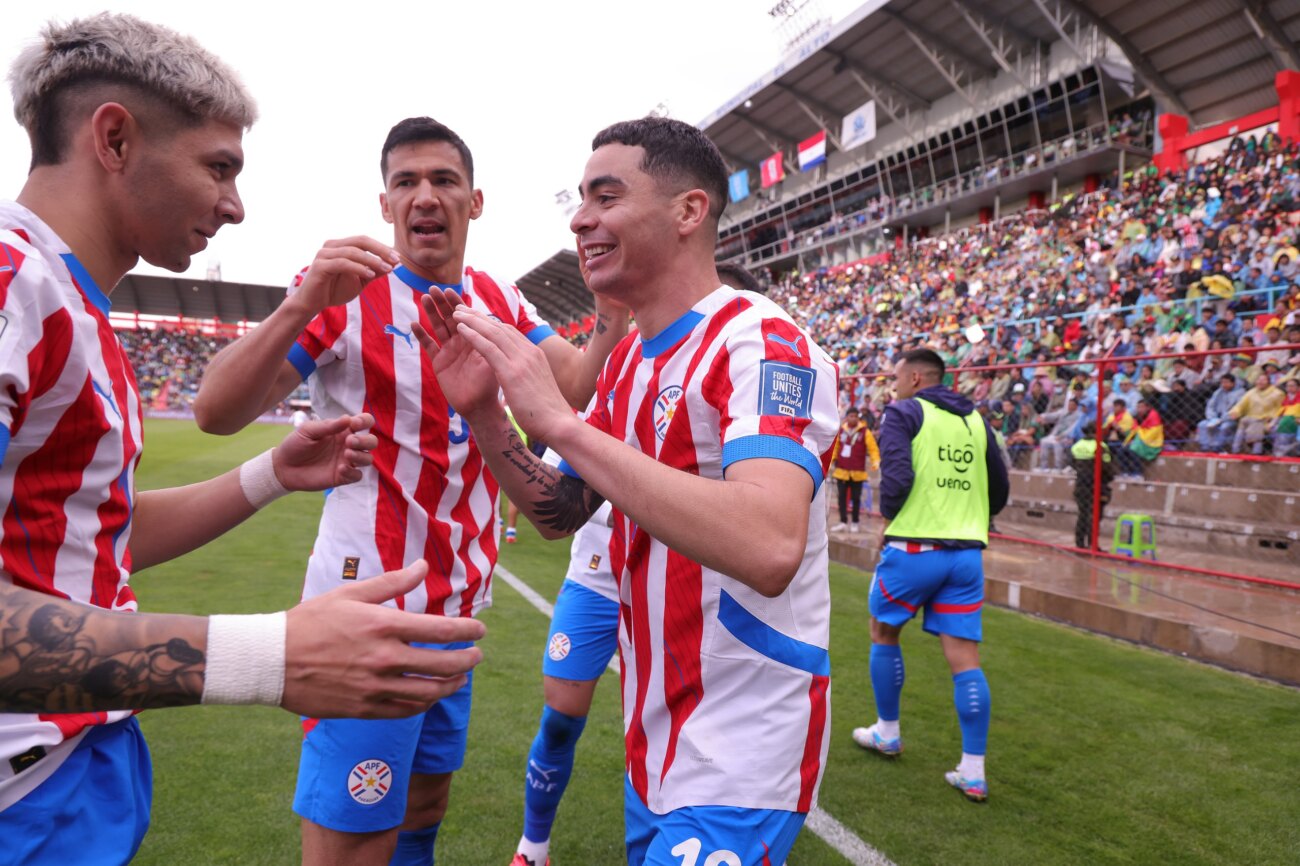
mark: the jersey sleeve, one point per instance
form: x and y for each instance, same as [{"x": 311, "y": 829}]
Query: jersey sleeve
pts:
[
  {"x": 321, "y": 342},
  {"x": 598, "y": 413},
  {"x": 775, "y": 393},
  {"x": 528, "y": 321}
]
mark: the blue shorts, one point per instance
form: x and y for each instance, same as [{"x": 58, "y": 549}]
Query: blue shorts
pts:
[
  {"x": 949, "y": 584},
  {"x": 353, "y": 774},
  {"x": 93, "y": 810},
  {"x": 713, "y": 835},
  {"x": 584, "y": 634}
]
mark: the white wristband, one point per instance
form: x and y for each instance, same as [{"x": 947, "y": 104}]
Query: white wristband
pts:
[
  {"x": 258, "y": 481},
  {"x": 245, "y": 663}
]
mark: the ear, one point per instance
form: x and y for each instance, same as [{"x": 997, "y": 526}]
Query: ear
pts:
[
  {"x": 476, "y": 204},
  {"x": 384, "y": 209},
  {"x": 694, "y": 211},
  {"x": 114, "y": 134}
]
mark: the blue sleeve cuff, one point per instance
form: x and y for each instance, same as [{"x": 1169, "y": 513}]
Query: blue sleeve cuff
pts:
[
  {"x": 541, "y": 332},
  {"x": 776, "y": 447},
  {"x": 568, "y": 470},
  {"x": 4, "y": 443},
  {"x": 302, "y": 362}
]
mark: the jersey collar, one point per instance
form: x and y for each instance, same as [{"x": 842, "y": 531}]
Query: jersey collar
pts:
[
  {"x": 420, "y": 284},
  {"x": 671, "y": 335},
  {"x": 86, "y": 282}
]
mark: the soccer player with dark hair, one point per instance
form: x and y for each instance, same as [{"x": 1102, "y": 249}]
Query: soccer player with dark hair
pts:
[
  {"x": 710, "y": 433},
  {"x": 942, "y": 479},
  {"x": 367, "y": 789}
]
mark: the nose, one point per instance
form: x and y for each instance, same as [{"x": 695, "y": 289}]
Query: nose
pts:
[
  {"x": 582, "y": 220},
  {"x": 424, "y": 197},
  {"x": 231, "y": 207}
]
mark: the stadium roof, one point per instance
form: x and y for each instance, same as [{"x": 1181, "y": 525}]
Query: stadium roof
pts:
[
  {"x": 556, "y": 288},
  {"x": 195, "y": 298},
  {"x": 1211, "y": 60}
]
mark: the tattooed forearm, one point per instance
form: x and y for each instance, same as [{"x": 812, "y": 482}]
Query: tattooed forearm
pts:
[
  {"x": 563, "y": 503},
  {"x": 602, "y": 323},
  {"x": 60, "y": 656}
]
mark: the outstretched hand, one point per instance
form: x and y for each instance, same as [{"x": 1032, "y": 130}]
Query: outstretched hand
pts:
[
  {"x": 346, "y": 655},
  {"x": 466, "y": 379},
  {"x": 324, "y": 454}
]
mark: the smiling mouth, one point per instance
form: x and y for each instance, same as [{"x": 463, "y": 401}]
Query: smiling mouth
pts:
[{"x": 596, "y": 251}]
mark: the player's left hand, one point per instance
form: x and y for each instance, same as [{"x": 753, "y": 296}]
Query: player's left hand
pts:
[{"x": 324, "y": 454}]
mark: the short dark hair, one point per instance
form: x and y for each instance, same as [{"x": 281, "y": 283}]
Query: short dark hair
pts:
[
  {"x": 675, "y": 153},
  {"x": 738, "y": 277},
  {"x": 926, "y": 358},
  {"x": 417, "y": 129}
]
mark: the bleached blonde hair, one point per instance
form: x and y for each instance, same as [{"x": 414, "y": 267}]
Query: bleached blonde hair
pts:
[{"x": 113, "y": 57}]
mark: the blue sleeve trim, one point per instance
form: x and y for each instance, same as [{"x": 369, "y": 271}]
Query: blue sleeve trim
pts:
[
  {"x": 4, "y": 443},
  {"x": 541, "y": 332},
  {"x": 767, "y": 641},
  {"x": 568, "y": 470},
  {"x": 304, "y": 363},
  {"x": 776, "y": 447}
]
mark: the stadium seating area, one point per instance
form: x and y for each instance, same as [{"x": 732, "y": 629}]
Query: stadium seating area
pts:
[
  {"x": 169, "y": 364},
  {"x": 1145, "y": 265}
]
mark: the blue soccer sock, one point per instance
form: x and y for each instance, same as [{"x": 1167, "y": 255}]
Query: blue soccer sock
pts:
[
  {"x": 970, "y": 692},
  {"x": 550, "y": 763},
  {"x": 887, "y": 679},
  {"x": 415, "y": 847}
]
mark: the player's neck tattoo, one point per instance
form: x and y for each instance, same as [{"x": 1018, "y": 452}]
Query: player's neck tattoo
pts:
[{"x": 58, "y": 656}]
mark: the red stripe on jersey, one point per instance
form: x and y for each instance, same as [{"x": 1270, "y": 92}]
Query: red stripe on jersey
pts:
[
  {"x": 462, "y": 514},
  {"x": 11, "y": 260},
  {"x": 432, "y": 483},
  {"x": 493, "y": 297},
  {"x": 810, "y": 767},
  {"x": 114, "y": 512},
  {"x": 324, "y": 331},
  {"x": 784, "y": 342},
  {"x": 636, "y": 741},
  {"x": 376, "y": 310},
  {"x": 71, "y": 724},
  {"x": 683, "y": 636}
]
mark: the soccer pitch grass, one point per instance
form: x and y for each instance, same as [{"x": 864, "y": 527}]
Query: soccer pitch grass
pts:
[{"x": 1099, "y": 752}]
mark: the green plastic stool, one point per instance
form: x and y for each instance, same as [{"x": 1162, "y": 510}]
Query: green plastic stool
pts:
[{"x": 1135, "y": 536}]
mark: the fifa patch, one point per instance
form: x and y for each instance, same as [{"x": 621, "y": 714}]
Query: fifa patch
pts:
[
  {"x": 785, "y": 389},
  {"x": 595, "y": 562},
  {"x": 350, "y": 566},
  {"x": 369, "y": 781},
  {"x": 666, "y": 408},
  {"x": 558, "y": 650}
]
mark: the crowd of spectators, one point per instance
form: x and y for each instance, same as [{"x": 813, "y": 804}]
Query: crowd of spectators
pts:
[
  {"x": 1202, "y": 260},
  {"x": 169, "y": 364}
]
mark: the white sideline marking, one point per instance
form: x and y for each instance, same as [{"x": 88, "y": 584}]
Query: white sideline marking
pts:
[{"x": 832, "y": 832}]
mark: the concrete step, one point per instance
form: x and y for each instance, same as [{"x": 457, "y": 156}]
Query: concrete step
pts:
[{"x": 1266, "y": 507}]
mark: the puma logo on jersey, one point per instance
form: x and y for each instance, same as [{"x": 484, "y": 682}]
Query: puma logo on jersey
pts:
[
  {"x": 398, "y": 332},
  {"x": 792, "y": 346}
]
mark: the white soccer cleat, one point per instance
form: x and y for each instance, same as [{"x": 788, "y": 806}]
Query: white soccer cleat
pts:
[{"x": 870, "y": 740}]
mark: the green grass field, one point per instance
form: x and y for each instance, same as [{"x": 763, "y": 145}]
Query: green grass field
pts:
[{"x": 1100, "y": 752}]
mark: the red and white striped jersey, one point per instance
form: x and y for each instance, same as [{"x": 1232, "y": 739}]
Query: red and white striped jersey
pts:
[
  {"x": 726, "y": 694},
  {"x": 429, "y": 493},
  {"x": 70, "y": 438}
]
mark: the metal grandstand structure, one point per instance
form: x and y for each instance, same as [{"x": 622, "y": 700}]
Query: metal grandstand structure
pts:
[
  {"x": 982, "y": 106},
  {"x": 142, "y": 300}
]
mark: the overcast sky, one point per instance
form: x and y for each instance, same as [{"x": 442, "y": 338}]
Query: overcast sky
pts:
[{"x": 526, "y": 84}]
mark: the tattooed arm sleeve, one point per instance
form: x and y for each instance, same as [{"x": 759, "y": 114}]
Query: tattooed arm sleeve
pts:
[
  {"x": 60, "y": 656},
  {"x": 551, "y": 500}
]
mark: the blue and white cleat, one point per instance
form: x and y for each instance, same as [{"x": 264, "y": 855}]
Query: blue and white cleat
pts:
[
  {"x": 975, "y": 790},
  {"x": 868, "y": 739}
]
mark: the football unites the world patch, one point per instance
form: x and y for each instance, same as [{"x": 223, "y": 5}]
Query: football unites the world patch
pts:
[
  {"x": 559, "y": 647},
  {"x": 785, "y": 389},
  {"x": 666, "y": 408},
  {"x": 369, "y": 781}
]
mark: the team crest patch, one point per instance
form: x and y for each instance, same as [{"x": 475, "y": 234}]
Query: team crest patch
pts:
[
  {"x": 369, "y": 781},
  {"x": 559, "y": 647},
  {"x": 666, "y": 408},
  {"x": 785, "y": 389}
]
